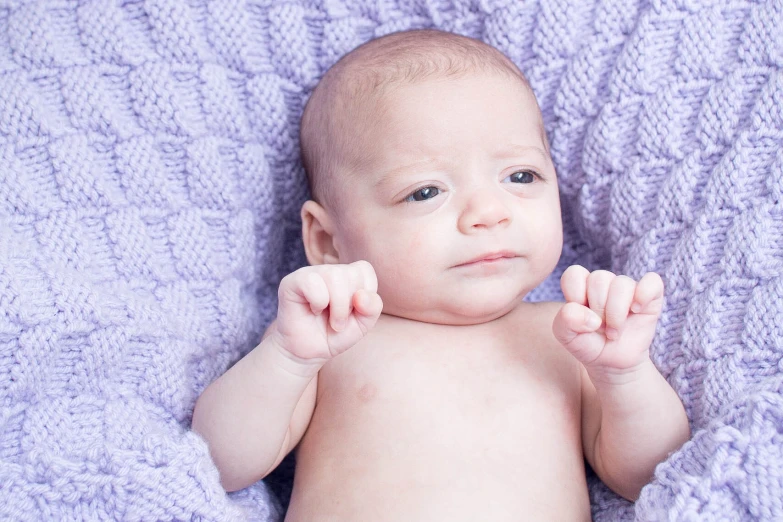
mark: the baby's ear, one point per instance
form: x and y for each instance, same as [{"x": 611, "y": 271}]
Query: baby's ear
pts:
[{"x": 318, "y": 235}]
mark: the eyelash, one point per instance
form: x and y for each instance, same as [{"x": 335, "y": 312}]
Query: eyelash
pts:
[
  {"x": 410, "y": 198},
  {"x": 530, "y": 172}
]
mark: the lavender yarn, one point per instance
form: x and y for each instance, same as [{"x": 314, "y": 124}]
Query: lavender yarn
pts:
[{"x": 149, "y": 203}]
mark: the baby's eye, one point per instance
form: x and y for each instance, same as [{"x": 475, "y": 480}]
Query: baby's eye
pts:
[
  {"x": 423, "y": 194},
  {"x": 522, "y": 176}
]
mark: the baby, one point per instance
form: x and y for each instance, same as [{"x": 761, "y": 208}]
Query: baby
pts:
[{"x": 404, "y": 365}]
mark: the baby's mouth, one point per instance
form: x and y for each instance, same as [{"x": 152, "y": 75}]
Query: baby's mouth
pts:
[{"x": 489, "y": 258}]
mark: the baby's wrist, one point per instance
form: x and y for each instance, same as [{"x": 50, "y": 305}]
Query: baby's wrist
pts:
[
  {"x": 608, "y": 377},
  {"x": 623, "y": 395},
  {"x": 281, "y": 357}
]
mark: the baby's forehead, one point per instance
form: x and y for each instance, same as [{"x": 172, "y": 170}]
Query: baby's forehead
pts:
[
  {"x": 361, "y": 103},
  {"x": 394, "y": 105},
  {"x": 351, "y": 94}
]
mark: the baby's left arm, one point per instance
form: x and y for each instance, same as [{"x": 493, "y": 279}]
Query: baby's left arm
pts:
[{"x": 631, "y": 418}]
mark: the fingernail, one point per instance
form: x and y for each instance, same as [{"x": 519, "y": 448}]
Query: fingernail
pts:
[
  {"x": 612, "y": 333},
  {"x": 338, "y": 325},
  {"x": 636, "y": 307},
  {"x": 593, "y": 321}
]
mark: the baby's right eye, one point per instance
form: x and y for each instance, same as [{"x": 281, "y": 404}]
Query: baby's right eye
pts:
[{"x": 423, "y": 194}]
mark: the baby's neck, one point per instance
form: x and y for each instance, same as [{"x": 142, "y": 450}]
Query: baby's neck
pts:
[{"x": 444, "y": 318}]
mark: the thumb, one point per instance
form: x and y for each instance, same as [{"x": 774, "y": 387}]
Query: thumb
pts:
[
  {"x": 575, "y": 326},
  {"x": 368, "y": 306}
]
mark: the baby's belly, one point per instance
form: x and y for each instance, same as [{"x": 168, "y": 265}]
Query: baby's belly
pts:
[{"x": 434, "y": 442}]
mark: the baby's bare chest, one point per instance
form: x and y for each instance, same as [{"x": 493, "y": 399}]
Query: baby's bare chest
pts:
[
  {"x": 450, "y": 376},
  {"x": 446, "y": 411},
  {"x": 481, "y": 366}
]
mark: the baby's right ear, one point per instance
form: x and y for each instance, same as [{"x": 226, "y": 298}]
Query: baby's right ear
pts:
[{"x": 318, "y": 235}]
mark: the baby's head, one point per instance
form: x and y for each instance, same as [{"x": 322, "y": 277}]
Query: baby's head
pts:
[{"x": 426, "y": 156}]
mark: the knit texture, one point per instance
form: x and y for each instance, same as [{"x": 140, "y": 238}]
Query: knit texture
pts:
[{"x": 149, "y": 197}]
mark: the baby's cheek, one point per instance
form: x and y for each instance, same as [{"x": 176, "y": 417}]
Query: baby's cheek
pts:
[
  {"x": 398, "y": 281},
  {"x": 550, "y": 244},
  {"x": 404, "y": 261},
  {"x": 412, "y": 240}
]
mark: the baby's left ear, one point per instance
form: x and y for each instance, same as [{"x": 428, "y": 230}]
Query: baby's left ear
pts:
[{"x": 318, "y": 235}]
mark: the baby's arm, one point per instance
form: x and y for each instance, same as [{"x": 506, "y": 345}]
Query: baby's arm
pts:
[
  {"x": 631, "y": 418},
  {"x": 256, "y": 412}
]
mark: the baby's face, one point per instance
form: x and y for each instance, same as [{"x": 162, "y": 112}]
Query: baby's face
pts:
[{"x": 457, "y": 204}]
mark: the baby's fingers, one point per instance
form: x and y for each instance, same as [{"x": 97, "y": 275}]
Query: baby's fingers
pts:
[
  {"x": 305, "y": 287},
  {"x": 368, "y": 304},
  {"x": 618, "y": 304},
  {"x": 598, "y": 284},
  {"x": 572, "y": 321},
  {"x": 314, "y": 290},
  {"x": 575, "y": 326},
  {"x": 573, "y": 283},
  {"x": 344, "y": 282},
  {"x": 369, "y": 281},
  {"x": 367, "y": 307},
  {"x": 648, "y": 298}
]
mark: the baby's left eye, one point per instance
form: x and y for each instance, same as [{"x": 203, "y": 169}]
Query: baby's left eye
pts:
[{"x": 522, "y": 176}]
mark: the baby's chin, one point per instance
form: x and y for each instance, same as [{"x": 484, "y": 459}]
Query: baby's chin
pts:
[{"x": 456, "y": 313}]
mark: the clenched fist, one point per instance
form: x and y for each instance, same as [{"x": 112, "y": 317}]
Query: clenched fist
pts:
[
  {"x": 608, "y": 321},
  {"x": 324, "y": 310}
]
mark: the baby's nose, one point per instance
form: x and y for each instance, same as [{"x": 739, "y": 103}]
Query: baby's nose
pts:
[{"x": 484, "y": 210}]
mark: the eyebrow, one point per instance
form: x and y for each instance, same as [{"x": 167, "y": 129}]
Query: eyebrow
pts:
[
  {"x": 511, "y": 151},
  {"x": 520, "y": 150},
  {"x": 387, "y": 176}
]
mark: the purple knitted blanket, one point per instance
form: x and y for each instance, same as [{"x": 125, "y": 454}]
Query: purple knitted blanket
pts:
[{"x": 149, "y": 195}]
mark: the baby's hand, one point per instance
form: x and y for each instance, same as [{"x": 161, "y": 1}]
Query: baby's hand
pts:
[
  {"x": 324, "y": 310},
  {"x": 608, "y": 321}
]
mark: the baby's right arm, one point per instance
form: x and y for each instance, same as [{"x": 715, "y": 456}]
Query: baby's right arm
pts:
[{"x": 256, "y": 412}]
